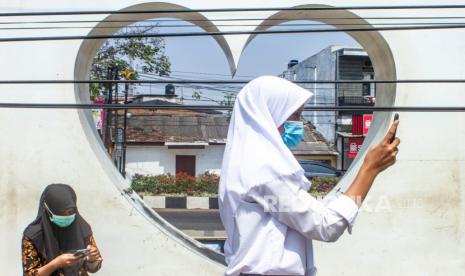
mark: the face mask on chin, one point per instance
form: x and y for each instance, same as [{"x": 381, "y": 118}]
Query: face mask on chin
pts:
[{"x": 293, "y": 133}]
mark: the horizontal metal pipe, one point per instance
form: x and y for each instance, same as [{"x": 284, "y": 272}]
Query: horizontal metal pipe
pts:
[
  {"x": 229, "y": 19},
  {"x": 168, "y": 11},
  {"x": 195, "y": 34},
  {"x": 228, "y": 25},
  {"x": 215, "y": 107},
  {"x": 223, "y": 81}
]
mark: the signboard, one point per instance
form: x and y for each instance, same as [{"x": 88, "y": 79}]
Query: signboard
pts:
[
  {"x": 98, "y": 114},
  {"x": 367, "y": 118},
  {"x": 354, "y": 146}
]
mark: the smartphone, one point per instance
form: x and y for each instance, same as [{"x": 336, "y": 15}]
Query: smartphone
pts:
[
  {"x": 396, "y": 117},
  {"x": 81, "y": 252}
]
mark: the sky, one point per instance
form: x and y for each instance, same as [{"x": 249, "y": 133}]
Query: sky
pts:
[{"x": 202, "y": 58}]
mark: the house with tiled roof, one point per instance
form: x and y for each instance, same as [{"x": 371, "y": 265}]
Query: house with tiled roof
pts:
[
  {"x": 173, "y": 140},
  {"x": 178, "y": 139}
]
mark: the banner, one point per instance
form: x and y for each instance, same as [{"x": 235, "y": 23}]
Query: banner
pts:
[
  {"x": 367, "y": 118},
  {"x": 354, "y": 146},
  {"x": 97, "y": 114}
]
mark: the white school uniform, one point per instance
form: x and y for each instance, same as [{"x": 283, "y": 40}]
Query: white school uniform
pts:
[{"x": 269, "y": 217}]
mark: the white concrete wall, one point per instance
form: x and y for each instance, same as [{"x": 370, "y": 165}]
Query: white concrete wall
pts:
[
  {"x": 161, "y": 160},
  {"x": 42, "y": 146}
]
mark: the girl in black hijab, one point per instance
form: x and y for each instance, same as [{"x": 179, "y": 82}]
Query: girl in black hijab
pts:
[{"x": 51, "y": 240}]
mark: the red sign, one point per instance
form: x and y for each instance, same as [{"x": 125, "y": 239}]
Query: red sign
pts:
[
  {"x": 367, "y": 118},
  {"x": 357, "y": 125},
  {"x": 354, "y": 146}
]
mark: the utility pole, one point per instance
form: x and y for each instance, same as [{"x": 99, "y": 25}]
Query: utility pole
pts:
[
  {"x": 108, "y": 113},
  {"x": 127, "y": 74}
]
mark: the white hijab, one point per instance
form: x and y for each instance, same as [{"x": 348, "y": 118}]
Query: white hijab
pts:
[{"x": 255, "y": 152}]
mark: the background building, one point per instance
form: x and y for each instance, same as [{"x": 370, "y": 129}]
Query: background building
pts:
[
  {"x": 172, "y": 141},
  {"x": 175, "y": 141},
  {"x": 337, "y": 63}
]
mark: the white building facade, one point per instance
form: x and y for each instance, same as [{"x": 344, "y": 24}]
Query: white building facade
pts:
[{"x": 162, "y": 160}]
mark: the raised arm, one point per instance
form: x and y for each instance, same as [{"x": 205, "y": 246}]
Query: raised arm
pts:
[
  {"x": 377, "y": 159},
  {"x": 293, "y": 206}
]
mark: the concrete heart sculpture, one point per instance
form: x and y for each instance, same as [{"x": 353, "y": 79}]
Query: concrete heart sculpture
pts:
[{"x": 42, "y": 146}]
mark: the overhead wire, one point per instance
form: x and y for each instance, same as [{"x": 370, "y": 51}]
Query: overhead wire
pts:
[
  {"x": 230, "y": 25},
  {"x": 407, "y": 81},
  {"x": 219, "y": 107},
  {"x": 235, "y": 19},
  {"x": 189, "y": 85},
  {"x": 444, "y": 26},
  {"x": 228, "y": 10},
  {"x": 216, "y": 33}
]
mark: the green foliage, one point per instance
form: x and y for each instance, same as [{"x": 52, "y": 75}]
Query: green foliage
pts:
[
  {"x": 196, "y": 94},
  {"x": 139, "y": 54},
  {"x": 206, "y": 184},
  {"x": 179, "y": 184},
  {"x": 228, "y": 99},
  {"x": 322, "y": 185}
]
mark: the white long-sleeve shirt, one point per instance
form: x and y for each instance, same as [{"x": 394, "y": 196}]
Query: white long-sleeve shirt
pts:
[{"x": 274, "y": 226}]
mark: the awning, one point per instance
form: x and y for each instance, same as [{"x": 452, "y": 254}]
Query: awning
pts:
[
  {"x": 186, "y": 145},
  {"x": 348, "y": 134}
]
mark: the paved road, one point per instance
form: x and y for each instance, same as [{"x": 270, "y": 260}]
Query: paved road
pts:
[{"x": 207, "y": 221}]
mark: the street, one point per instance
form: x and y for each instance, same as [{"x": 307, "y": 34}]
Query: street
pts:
[{"x": 195, "y": 222}]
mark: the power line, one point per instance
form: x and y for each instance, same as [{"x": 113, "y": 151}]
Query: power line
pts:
[
  {"x": 225, "y": 81},
  {"x": 232, "y": 25},
  {"x": 180, "y": 77},
  {"x": 220, "y": 10},
  {"x": 234, "y": 90},
  {"x": 213, "y": 107},
  {"x": 226, "y": 88},
  {"x": 229, "y": 87},
  {"x": 235, "y": 19},
  {"x": 223, "y": 91},
  {"x": 194, "y": 34},
  {"x": 212, "y": 74},
  {"x": 181, "y": 73},
  {"x": 226, "y": 75},
  {"x": 198, "y": 100},
  {"x": 195, "y": 86},
  {"x": 184, "y": 98}
]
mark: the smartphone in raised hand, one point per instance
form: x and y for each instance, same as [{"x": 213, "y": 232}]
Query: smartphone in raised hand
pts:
[{"x": 396, "y": 117}]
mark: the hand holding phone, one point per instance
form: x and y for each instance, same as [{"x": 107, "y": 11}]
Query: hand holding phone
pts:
[
  {"x": 396, "y": 118},
  {"x": 81, "y": 252}
]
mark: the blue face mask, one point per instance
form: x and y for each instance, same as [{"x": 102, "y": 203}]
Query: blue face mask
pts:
[
  {"x": 61, "y": 221},
  {"x": 293, "y": 133}
]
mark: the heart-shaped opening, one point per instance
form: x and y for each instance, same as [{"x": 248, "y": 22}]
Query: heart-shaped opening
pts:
[{"x": 232, "y": 46}]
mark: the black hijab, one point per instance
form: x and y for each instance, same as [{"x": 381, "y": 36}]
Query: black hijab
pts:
[{"x": 51, "y": 240}]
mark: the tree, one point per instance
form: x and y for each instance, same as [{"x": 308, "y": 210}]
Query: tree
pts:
[
  {"x": 139, "y": 54},
  {"x": 228, "y": 99}
]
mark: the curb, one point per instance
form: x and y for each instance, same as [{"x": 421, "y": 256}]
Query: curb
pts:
[{"x": 181, "y": 202}]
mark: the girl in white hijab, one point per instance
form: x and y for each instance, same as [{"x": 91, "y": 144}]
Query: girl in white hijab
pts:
[{"x": 269, "y": 216}]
